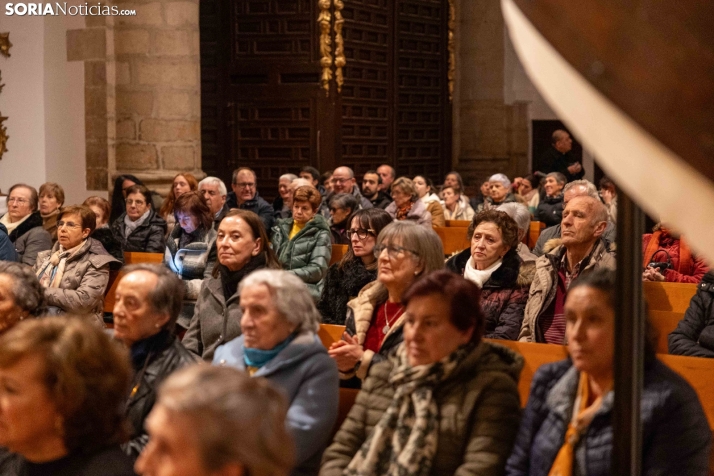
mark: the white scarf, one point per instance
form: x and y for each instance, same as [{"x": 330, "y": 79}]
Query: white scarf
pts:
[
  {"x": 50, "y": 275},
  {"x": 5, "y": 220},
  {"x": 428, "y": 198},
  {"x": 480, "y": 276},
  {"x": 133, "y": 225}
]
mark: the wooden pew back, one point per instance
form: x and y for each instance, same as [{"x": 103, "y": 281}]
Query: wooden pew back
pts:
[
  {"x": 453, "y": 239},
  {"x": 534, "y": 233},
  {"x": 330, "y": 333},
  {"x": 672, "y": 297},
  {"x": 458, "y": 223},
  {"x": 338, "y": 252},
  {"x": 135, "y": 257}
]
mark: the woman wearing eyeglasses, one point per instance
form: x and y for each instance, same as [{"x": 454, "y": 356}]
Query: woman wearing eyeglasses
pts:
[
  {"x": 75, "y": 272},
  {"x": 404, "y": 251},
  {"x": 140, "y": 228},
  {"x": 23, "y": 224},
  {"x": 357, "y": 268}
]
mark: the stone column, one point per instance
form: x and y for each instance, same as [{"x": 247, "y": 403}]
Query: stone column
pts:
[{"x": 157, "y": 67}]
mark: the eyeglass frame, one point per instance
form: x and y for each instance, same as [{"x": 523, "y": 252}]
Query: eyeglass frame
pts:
[
  {"x": 391, "y": 249},
  {"x": 245, "y": 185},
  {"x": 19, "y": 200},
  {"x": 69, "y": 224},
  {"x": 367, "y": 232}
]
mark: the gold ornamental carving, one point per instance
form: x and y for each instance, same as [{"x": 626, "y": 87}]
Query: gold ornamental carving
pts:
[
  {"x": 451, "y": 74},
  {"x": 325, "y": 20},
  {"x": 340, "y": 59},
  {"x": 5, "y": 51}
]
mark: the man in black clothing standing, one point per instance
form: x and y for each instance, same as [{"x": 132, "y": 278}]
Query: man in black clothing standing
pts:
[
  {"x": 558, "y": 158},
  {"x": 370, "y": 189}
]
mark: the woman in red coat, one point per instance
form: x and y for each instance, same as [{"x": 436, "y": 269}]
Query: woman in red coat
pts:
[{"x": 667, "y": 257}]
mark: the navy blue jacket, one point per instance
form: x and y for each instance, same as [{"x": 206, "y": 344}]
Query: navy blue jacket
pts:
[
  {"x": 676, "y": 438},
  {"x": 257, "y": 205},
  {"x": 7, "y": 249}
]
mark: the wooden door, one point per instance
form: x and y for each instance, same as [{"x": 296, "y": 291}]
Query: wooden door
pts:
[{"x": 264, "y": 106}]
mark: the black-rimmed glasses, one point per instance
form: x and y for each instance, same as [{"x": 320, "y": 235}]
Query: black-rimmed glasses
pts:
[{"x": 361, "y": 233}]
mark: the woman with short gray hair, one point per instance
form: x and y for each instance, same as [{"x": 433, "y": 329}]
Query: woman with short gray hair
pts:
[
  {"x": 21, "y": 294},
  {"x": 279, "y": 342},
  {"x": 406, "y": 204},
  {"x": 500, "y": 192},
  {"x": 214, "y": 420}
]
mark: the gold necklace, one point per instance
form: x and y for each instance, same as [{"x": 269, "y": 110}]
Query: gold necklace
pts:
[{"x": 386, "y": 327}]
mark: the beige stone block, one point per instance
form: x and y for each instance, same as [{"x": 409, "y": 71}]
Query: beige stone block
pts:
[
  {"x": 171, "y": 43},
  {"x": 178, "y": 157},
  {"x": 181, "y": 13},
  {"x": 95, "y": 100},
  {"x": 180, "y": 74},
  {"x": 123, "y": 73},
  {"x": 172, "y": 104},
  {"x": 131, "y": 42},
  {"x": 95, "y": 73},
  {"x": 157, "y": 130},
  {"x": 95, "y": 127},
  {"x": 97, "y": 179},
  {"x": 146, "y": 14},
  {"x": 86, "y": 44},
  {"x": 92, "y": 21},
  {"x": 136, "y": 102},
  {"x": 136, "y": 157},
  {"x": 195, "y": 43},
  {"x": 126, "y": 129},
  {"x": 96, "y": 153}
]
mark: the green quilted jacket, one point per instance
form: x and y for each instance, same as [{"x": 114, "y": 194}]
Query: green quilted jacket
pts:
[{"x": 307, "y": 255}]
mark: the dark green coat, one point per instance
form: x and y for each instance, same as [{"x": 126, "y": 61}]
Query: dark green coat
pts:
[{"x": 308, "y": 254}]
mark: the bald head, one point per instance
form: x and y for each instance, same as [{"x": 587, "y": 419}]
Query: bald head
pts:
[
  {"x": 561, "y": 141},
  {"x": 579, "y": 188},
  {"x": 343, "y": 180}
]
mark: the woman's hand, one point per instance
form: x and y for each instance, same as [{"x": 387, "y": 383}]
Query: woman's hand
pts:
[
  {"x": 652, "y": 274},
  {"x": 346, "y": 353}
]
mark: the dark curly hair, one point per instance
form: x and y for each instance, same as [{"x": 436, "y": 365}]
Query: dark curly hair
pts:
[
  {"x": 506, "y": 225},
  {"x": 463, "y": 297}
]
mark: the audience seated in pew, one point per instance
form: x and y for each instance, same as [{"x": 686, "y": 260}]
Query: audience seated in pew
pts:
[
  {"x": 7, "y": 249},
  {"x": 343, "y": 181},
  {"x": 581, "y": 250},
  {"x": 356, "y": 269},
  {"x": 453, "y": 207},
  {"x": 425, "y": 189},
  {"x": 21, "y": 295},
  {"x": 51, "y": 200},
  {"x": 445, "y": 403},
  {"x": 522, "y": 217},
  {"x": 302, "y": 243},
  {"x": 217, "y": 420},
  {"x": 375, "y": 318},
  {"x": 182, "y": 183},
  {"x": 406, "y": 204},
  {"x": 24, "y": 224},
  {"x": 64, "y": 416},
  {"x": 102, "y": 233},
  {"x": 529, "y": 190},
  {"x": 121, "y": 185},
  {"x": 667, "y": 257},
  {"x": 242, "y": 246},
  {"x": 371, "y": 190},
  {"x": 283, "y": 204},
  {"x": 140, "y": 228},
  {"x": 341, "y": 206},
  {"x": 567, "y": 424},
  {"x": 75, "y": 272},
  {"x": 245, "y": 196},
  {"x": 694, "y": 335},
  {"x": 493, "y": 264},
  {"x": 550, "y": 208},
  {"x": 148, "y": 302},
  {"x": 214, "y": 192},
  {"x": 188, "y": 249},
  {"x": 499, "y": 192},
  {"x": 280, "y": 343},
  {"x": 577, "y": 188},
  {"x": 453, "y": 179}
]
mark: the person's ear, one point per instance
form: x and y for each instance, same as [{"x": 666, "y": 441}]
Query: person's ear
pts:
[
  {"x": 162, "y": 320},
  {"x": 600, "y": 229},
  {"x": 256, "y": 248},
  {"x": 85, "y": 233}
]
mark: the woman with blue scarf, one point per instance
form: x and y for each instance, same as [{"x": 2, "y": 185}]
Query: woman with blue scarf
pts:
[{"x": 279, "y": 342}]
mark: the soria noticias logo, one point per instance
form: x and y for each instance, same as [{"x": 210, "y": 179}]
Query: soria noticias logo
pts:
[{"x": 57, "y": 8}]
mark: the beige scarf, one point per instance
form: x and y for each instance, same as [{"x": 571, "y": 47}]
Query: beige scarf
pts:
[
  {"x": 50, "y": 275},
  {"x": 5, "y": 220}
]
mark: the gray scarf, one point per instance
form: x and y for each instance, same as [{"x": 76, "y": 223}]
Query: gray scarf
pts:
[{"x": 130, "y": 226}]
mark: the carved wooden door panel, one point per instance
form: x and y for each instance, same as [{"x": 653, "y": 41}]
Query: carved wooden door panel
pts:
[{"x": 268, "y": 103}]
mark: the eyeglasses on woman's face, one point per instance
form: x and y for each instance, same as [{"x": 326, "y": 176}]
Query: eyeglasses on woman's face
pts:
[
  {"x": 361, "y": 233},
  {"x": 394, "y": 252}
]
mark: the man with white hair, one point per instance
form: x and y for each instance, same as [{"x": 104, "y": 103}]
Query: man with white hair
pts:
[
  {"x": 343, "y": 181},
  {"x": 577, "y": 188},
  {"x": 214, "y": 192},
  {"x": 582, "y": 250},
  {"x": 522, "y": 217},
  {"x": 283, "y": 204}
]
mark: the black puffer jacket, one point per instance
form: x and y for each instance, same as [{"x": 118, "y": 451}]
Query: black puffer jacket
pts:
[
  {"x": 341, "y": 286},
  {"x": 149, "y": 237},
  {"x": 105, "y": 236},
  {"x": 550, "y": 210},
  {"x": 694, "y": 335},
  {"x": 30, "y": 238},
  {"x": 153, "y": 359},
  {"x": 504, "y": 295}
]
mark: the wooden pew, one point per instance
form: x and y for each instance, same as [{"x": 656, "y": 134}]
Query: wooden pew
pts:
[
  {"x": 458, "y": 223},
  {"x": 135, "y": 257},
  {"x": 453, "y": 239},
  {"x": 672, "y": 297},
  {"x": 330, "y": 333},
  {"x": 536, "y": 228},
  {"x": 338, "y": 251}
]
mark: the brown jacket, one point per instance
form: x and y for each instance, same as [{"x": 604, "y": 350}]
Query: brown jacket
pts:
[
  {"x": 479, "y": 414},
  {"x": 84, "y": 281},
  {"x": 543, "y": 288}
]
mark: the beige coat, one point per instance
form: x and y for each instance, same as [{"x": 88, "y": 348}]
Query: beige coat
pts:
[
  {"x": 543, "y": 288},
  {"x": 479, "y": 414}
]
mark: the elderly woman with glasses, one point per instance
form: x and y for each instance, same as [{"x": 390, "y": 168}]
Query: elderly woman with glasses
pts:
[
  {"x": 24, "y": 224},
  {"x": 61, "y": 399},
  {"x": 445, "y": 404},
  {"x": 75, "y": 272},
  {"x": 279, "y": 343},
  {"x": 21, "y": 295},
  {"x": 499, "y": 192},
  {"x": 148, "y": 302},
  {"x": 375, "y": 318},
  {"x": 356, "y": 269},
  {"x": 406, "y": 204},
  {"x": 217, "y": 421},
  {"x": 140, "y": 228}
]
